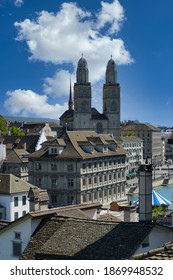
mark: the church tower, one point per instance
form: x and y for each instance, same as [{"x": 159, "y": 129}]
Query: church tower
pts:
[
  {"x": 111, "y": 99},
  {"x": 82, "y": 97}
]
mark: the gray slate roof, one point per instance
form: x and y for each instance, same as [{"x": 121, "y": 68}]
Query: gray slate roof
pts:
[
  {"x": 141, "y": 127},
  {"x": 11, "y": 184},
  {"x": 69, "y": 238},
  {"x": 163, "y": 253}
]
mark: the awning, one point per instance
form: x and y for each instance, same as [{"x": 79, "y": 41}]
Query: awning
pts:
[
  {"x": 131, "y": 174},
  {"x": 157, "y": 200}
]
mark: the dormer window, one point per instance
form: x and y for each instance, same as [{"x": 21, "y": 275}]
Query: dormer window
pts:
[
  {"x": 88, "y": 149},
  {"x": 56, "y": 150},
  {"x": 105, "y": 149},
  {"x": 53, "y": 150}
]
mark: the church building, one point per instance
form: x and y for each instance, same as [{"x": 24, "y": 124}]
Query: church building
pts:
[{"x": 81, "y": 115}]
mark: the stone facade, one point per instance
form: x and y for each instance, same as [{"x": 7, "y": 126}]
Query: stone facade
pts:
[
  {"x": 84, "y": 116},
  {"x": 83, "y": 166}
]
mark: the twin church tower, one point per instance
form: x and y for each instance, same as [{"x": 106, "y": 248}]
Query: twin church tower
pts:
[{"x": 81, "y": 115}]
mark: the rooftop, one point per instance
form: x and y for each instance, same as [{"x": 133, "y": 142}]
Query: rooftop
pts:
[{"x": 74, "y": 238}]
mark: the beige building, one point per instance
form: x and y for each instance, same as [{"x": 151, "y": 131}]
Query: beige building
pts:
[
  {"x": 134, "y": 146},
  {"x": 83, "y": 166},
  {"x": 151, "y": 136}
]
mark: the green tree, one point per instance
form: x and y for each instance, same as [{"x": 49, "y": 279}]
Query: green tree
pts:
[
  {"x": 15, "y": 131},
  {"x": 157, "y": 211},
  {"x": 3, "y": 126}
]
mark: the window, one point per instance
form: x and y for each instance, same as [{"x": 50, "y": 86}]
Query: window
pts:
[
  {"x": 83, "y": 182},
  {"x": 70, "y": 167},
  {"x": 23, "y": 213},
  {"x": 54, "y": 198},
  {"x": 70, "y": 183},
  {"x": 54, "y": 182},
  {"x": 105, "y": 178},
  {"x": 17, "y": 249},
  {"x": 53, "y": 166},
  {"x": 16, "y": 215},
  {"x": 53, "y": 150},
  {"x": 95, "y": 180},
  {"x": 70, "y": 199},
  {"x": 38, "y": 181},
  {"x": 15, "y": 201},
  {"x": 24, "y": 200},
  {"x": 89, "y": 165},
  {"x": 89, "y": 181},
  {"x": 17, "y": 235},
  {"x": 83, "y": 166},
  {"x": 38, "y": 166}
]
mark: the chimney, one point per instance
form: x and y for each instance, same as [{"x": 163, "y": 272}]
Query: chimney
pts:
[{"x": 145, "y": 192}]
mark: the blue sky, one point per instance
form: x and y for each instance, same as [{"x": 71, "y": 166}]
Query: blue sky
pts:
[{"x": 42, "y": 41}]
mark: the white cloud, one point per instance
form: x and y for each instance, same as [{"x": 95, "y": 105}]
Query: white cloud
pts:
[
  {"x": 27, "y": 103},
  {"x": 59, "y": 85},
  {"x": 112, "y": 14},
  {"x": 61, "y": 38},
  {"x": 18, "y": 3}
]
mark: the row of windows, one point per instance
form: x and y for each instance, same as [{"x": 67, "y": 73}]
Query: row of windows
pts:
[
  {"x": 103, "y": 178},
  {"x": 16, "y": 214},
  {"x": 16, "y": 200},
  {"x": 53, "y": 166},
  {"x": 15, "y": 169},
  {"x": 54, "y": 182},
  {"x": 103, "y": 193},
  {"x": 104, "y": 164},
  {"x": 133, "y": 145}
]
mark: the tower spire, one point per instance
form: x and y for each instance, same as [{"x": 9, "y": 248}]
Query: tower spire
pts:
[{"x": 70, "y": 102}]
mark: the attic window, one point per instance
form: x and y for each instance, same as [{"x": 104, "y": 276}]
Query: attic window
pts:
[
  {"x": 17, "y": 235},
  {"x": 53, "y": 150}
]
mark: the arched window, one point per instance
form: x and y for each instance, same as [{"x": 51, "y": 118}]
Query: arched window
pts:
[
  {"x": 105, "y": 106},
  {"x": 113, "y": 106}
]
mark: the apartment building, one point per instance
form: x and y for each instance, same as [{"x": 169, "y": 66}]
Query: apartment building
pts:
[
  {"x": 151, "y": 136},
  {"x": 134, "y": 146},
  {"x": 80, "y": 167}
]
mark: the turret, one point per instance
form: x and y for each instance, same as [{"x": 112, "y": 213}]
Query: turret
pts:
[{"x": 82, "y": 75}]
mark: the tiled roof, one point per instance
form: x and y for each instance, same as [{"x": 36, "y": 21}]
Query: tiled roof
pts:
[
  {"x": 11, "y": 184},
  {"x": 76, "y": 137},
  {"x": 140, "y": 127},
  {"x": 74, "y": 141},
  {"x": 38, "y": 194},
  {"x": 68, "y": 238},
  {"x": 163, "y": 253},
  {"x": 17, "y": 155},
  {"x": 65, "y": 209},
  {"x": 19, "y": 142},
  {"x": 67, "y": 115}
]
